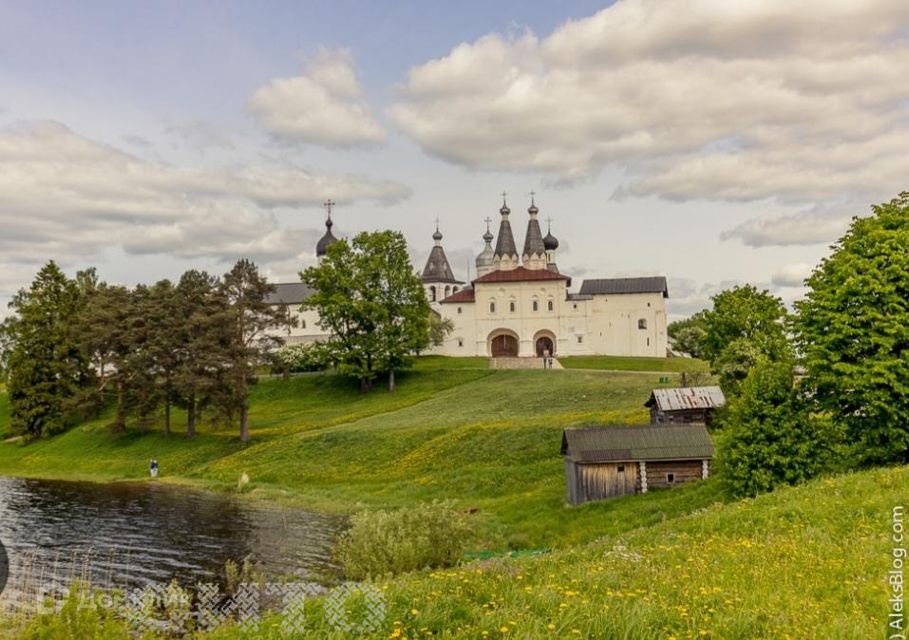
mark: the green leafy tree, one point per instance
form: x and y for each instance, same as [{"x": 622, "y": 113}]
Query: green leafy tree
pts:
[
  {"x": 743, "y": 325},
  {"x": 372, "y": 304},
  {"x": 47, "y": 373},
  {"x": 852, "y": 329},
  {"x": 205, "y": 338},
  {"x": 688, "y": 335},
  {"x": 254, "y": 328},
  {"x": 771, "y": 438},
  {"x": 439, "y": 329}
]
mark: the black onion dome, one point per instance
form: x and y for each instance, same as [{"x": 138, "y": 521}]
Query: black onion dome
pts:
[
  {"x": 327, "y": 240},
  {"x": 550, "y": 242}
]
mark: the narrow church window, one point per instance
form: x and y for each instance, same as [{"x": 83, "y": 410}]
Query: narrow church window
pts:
[
  {"x": 536, "y": 305},
  {"x": 455, "y": 290},
  {"x": 302, "y": 324},
  {"x": 459, "y": 309},
  {"x": 447, "y": 291},
  {"x": 492, "y": 307},
  {"x": 580, "y": 339},
  {"x": 648, "y": 304},
  {"x": 574, "y": 306},
  {"x": 549, "y": 305},
  {"x": 642, "y": 323},
  {"x": 648, "y": 342},
  {"x": 432, "y": 294},
  {"x": 460, "y": 342},
  {"x": 511, "y": 307}
]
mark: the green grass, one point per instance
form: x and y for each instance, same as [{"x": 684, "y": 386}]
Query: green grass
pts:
[
  {"x": 805, "y": 562},
  {"x": 453, "y": 429},
  {"x": 618, "y": 363}
]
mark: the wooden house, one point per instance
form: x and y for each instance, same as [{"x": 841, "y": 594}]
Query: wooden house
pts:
[
  {"x": 604, "y": 462},
  {"x": 684, "y": 406}
]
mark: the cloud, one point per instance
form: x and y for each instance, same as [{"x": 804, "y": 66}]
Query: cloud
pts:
[
  {"x": 67, "y": 197},
  {"x": 323, "y": 106},
  {"x": 792, "y": 275},
  {"x": 199, "y": 136},
  {"x": 734, "y": 101},
  {"x": 820, "y": 224}
]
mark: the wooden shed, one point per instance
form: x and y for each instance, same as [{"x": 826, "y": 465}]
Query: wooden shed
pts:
[
  {"x": 604, "y": 462},
  {"x": 686, "y": 405}
]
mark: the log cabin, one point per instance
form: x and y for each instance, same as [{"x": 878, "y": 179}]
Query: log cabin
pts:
[{"x": 611, "y": 461}]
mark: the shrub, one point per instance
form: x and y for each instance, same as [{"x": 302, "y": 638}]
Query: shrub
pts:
[
  {"x": 300, "y": 358},
  {"x": 772, "y": 437},
  {"x": 390, "y": 542}
]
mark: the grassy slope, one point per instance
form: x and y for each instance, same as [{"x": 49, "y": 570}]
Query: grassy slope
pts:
[
  {"x": 617, "y": 363},
  {"x": 489, "y": 439},
  {"x": 806, "y": 562}
]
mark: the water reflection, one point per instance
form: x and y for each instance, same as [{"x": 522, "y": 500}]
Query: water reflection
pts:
[{"x": 133, "y": 534}]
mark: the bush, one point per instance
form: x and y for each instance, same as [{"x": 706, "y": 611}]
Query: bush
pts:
[
  {"x": 300, "y": 358},
  {"x": 390, "y": 542},
  {"x": 772, "y": 437}
]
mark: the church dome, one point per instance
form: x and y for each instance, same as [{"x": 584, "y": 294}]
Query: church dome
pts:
[
  {"x": 327, "y": 240},
  {"x": 550, "y": 242}
]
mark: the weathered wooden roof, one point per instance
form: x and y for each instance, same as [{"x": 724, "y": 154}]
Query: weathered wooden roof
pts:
[
  {"x": 687, "y": 398},
  {"x": 613, "y": 286},
  {"x": 289, "y": 293},
  {"x": 631, "y": 443}
]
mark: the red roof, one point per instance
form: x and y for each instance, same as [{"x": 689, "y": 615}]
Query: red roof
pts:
[
  {"x": 464, "y": 295},
  {"x": 521, "y": 274}
]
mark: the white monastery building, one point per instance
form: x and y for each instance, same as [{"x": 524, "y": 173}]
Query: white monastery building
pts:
[{"x": 521, "y": 305}]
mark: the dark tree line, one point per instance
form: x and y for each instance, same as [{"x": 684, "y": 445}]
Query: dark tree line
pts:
[{"x": 74, "y": 346}]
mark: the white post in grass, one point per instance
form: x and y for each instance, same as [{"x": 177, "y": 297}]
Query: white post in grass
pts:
[
  {"x": 705, "y": 469},
  {"x": 643, "y": 466}
]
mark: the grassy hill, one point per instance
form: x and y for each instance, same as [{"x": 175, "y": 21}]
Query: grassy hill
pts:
[
  {"x": 453, "y": 429},
  {"x": 805, "y": 562}
]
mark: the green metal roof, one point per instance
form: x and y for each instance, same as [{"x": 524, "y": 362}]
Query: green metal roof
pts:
[{"x": 627, "y": 443}]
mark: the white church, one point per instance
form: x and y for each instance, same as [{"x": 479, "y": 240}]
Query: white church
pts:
[{"x": 520, "y": 305}]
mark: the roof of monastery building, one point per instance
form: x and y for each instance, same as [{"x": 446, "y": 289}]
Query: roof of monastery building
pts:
[{"x": 521, "y": 274}]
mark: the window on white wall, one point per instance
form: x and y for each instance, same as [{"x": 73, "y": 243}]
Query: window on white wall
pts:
[
  {"x": 550, "y": 305},
  {"x": 511, "y": 306},
  {"x": 492, "y": 307},
  {"x": 460, "y": 342},
  {"x": 580, "y": 339},
  {"x": 642, "y": 323},
  {"x": 432, "y": 294},
  {"x": 536, "y": 305},
  {"x": 302, "y": 324},
  {"x": 459, "y": 309}
]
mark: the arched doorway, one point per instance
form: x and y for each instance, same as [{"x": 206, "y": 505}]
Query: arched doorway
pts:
[
  {"x": 544, "y": 343},
  {"x": 503, "y": 345}
]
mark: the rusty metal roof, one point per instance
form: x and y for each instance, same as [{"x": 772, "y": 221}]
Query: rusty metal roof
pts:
[
  {"x": 687, "y": 398},
  {"x": 632, "y": 443}
]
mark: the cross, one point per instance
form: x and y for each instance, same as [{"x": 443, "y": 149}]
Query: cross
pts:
[
  {"x": 488, "y": 222},
  {"x": 437, "y": 224},
  {"x": 548, "y": 224},
  {"x": 532, "y": 194},
  {"x": 328, "y": 204},
  {"x": 503, "y": 196}
]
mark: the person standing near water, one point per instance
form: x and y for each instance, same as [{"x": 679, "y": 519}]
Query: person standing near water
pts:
[{"x": 153, "y": 468}]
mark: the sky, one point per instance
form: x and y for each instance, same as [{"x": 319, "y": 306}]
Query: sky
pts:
[{"x": 713, "y": 142}]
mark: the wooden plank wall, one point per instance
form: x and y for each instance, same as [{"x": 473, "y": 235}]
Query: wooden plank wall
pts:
[{"x": 598, "y": 481}]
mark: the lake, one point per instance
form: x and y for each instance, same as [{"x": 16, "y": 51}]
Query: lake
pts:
[{"x": 128, "y": 535}]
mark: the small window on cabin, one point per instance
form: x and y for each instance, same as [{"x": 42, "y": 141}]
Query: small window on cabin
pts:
[
  {"x": 492, "y": 307},
  {"x": 670, "y": 478},
  {"x": 642, "y": 323},
  {"x": 621, "y": 468},
  {"x": 459, "y": 309},
  {"x": 511, "y": 306},
  {"x": 536, "y": 305},
  {"x": 549, "y": 305}
]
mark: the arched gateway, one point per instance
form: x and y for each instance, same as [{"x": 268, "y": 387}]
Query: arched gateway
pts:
[
  {"x": 544, "y": 344},
  {"x": 503, "y": 344}
]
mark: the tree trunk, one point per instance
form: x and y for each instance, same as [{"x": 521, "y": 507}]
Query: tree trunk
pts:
[
  {"x": 364, "y": 384},
  {"x": 391, "y": 380},
  {"x": 166, "y": 416},
  {"x": 244, "y": 423},
  {"x": 191, "y": 416},
  {"x": 120, "y": 418}
]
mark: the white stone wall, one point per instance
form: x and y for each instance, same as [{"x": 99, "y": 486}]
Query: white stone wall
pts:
[
  {"x": 604, "y": 325},
  {"x": 307, "y": 329}
]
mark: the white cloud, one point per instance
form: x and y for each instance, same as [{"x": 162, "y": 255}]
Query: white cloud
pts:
[
  {"x": 67, "y": 197},
  {"x": 792, "y": 275},
  {"x": 787, "y": 230},
  {"x": 736, "y": 101},
  {"x": 323, "y": 106}
]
